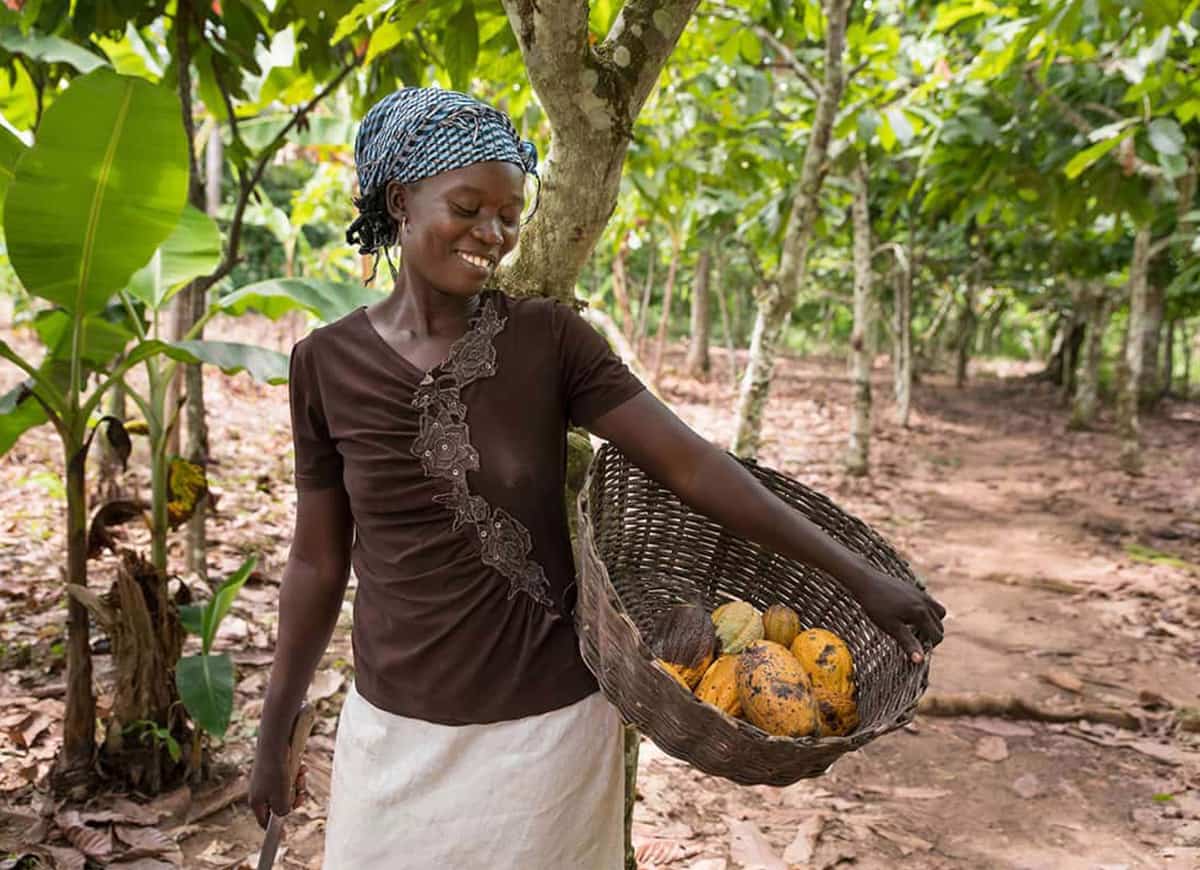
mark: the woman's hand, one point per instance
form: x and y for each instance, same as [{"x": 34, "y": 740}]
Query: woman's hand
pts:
[
  {"x": 905, "y": 612},
  {"x": 269, "y": 787}
]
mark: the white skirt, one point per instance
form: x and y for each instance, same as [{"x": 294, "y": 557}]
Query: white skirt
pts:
[{"x": 544, "y": 792}]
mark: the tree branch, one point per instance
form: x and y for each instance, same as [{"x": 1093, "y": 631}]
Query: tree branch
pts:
[
  {"x": 553, "y": 36},
  {"x": 791, "y": 60},
  {"x": 248, "y": 184},
  {"x": 639, "y": 43}
]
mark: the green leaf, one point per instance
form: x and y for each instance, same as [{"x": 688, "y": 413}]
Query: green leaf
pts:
[
  {"x": 325, "y": 300},
  {"x": 102, "y": 339},
  {"x": 11, "y": 149},
  {"x": 1166, "y": 137},
  {"x": 19, "y": 412},
  {"x": 1085, "y": 158},
  {"x": 262, "y": 364},
  {"x": 750, "y": 47},
  {"x": 349, "y": 22},
  {"x": 49, "y": 49},
  {"x": 461, "y": 41},
  {"x": 383, "y": 39},
  {"x": 193, "y": 249},
  {"x": 101, "y": 188},
  {"x": 205, "y": 684},
  {"x": 191, "y": 617},
  {"x": 216, "y": 610},
  {"x": 900, "y": 125}
]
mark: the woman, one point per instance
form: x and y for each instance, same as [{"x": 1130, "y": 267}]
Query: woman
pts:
[{"x": 429, "y": 435}]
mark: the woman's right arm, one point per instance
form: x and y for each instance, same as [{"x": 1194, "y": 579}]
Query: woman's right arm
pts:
[{"x": 310, "y": 599}]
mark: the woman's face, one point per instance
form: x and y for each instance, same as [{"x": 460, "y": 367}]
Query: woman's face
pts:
[{"x": 460, "y": 223}]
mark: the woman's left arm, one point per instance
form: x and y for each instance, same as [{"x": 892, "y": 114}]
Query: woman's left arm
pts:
[{"x": 712, "y": 483}]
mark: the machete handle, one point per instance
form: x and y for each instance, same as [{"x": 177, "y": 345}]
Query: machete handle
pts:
[{"x": 302, "y": 726}]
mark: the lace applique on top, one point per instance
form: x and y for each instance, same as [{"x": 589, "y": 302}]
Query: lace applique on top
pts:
[{"x": 445, "y": 450}]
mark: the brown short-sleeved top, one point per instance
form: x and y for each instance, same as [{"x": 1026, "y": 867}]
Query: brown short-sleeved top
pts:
[{"x": 455, "y": 478}]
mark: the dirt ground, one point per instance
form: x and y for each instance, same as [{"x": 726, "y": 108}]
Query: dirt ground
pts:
[{"x": 1068, "y": 584}]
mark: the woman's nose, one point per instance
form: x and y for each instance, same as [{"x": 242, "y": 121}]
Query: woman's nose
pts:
[{"x": 488, "y": 231}]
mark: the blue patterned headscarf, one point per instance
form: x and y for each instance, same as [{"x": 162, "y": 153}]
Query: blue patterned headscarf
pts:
[{"x": 416, "y": 133}]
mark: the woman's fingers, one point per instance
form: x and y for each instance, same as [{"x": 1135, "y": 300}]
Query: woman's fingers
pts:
[{"x": 909, "y": 643}]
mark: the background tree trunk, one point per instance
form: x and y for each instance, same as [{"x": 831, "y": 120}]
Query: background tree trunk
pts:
[
  {"x": 698, "y": 363},
  {"x": 779, "y": 296},
  {"x": 857, "y": 459},
  {"x": 1127, "y": 401},
  {"x": 1168, "y": 359},
  {"x": 1185, "y": 387},
  {"x": 620, "y": 283},
  {"x": 965, "y": 334},
  {"x": 647, "y": 292},
  {"x": 902, "y": 334},
  {"x": 1095, "y": 307},
  {"x": 72, "y": 767},
  {"x": 1150, "y": 388},
  {"x": 664, "y": 324},
  {"x": 726, "y": 326}
]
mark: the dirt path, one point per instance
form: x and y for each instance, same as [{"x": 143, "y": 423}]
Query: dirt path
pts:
[{"x": 1051, "y": 565}]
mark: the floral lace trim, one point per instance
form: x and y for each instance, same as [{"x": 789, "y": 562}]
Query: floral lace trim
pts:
[{"x": 445, "y": 450}]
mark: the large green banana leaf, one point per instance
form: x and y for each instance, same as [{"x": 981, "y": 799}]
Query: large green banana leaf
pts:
[
  {"x": 11, "y": 149},
  {"x": 325, "y": 300},
  {"x": 193, "y": 249},
  {"x": 101, "y": 188}
]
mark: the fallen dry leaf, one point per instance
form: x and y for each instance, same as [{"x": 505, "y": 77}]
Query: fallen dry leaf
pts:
[
  {"x": 991, "y": 748},
  {"x": 1064, "y": 680},
  {"x": 749, "y": 849},
  {"x": 325, "y": 684},
  {"x": 800, "y": 850},
  {"x": 1027, "y": 786},
  {"x": 92, "y": 842}
]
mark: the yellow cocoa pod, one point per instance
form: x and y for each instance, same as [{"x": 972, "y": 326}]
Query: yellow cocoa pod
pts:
[
  {"x": 838, "y": 714},
  {"x": 719, "y": 686},
  {"x": 774, "y": 691},
  {"x": 673, "y": 670},
  {"x": 738, "y": 625},
  {"x": 826, "y": 659},
  {"x": 781, "y": 624}
]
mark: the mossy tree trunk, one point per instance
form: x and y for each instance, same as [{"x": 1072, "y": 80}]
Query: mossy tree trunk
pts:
[
  {"x": 1095, "y": 307},
  {"x": 778, "y": 297},
  {"x": 857, "y": 459},
  {"x": 1133, "y": 357},
  {"x": 698, "y": 363}
]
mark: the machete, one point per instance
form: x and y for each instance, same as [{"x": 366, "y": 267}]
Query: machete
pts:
[{"x": 301, "y": 727}]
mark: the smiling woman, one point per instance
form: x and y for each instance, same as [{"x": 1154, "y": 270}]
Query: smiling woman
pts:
[{"x": 430, "y": 447}]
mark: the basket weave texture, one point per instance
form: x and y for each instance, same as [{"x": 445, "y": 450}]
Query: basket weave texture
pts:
[{"x": 643, "y": 551}]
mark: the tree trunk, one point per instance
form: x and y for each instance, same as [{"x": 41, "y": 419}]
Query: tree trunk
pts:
[
  {"x": 726, "y": 326},
  {"x": 1185, "y": 388},
  {"x": 1151, "y": 386},
  {"x": 647, "y": 293},
  {"x": 966, "y": 333},
  {"x": 592, "y": 95},
  {"x": 857, "y": 459},
  {"x": 1095, "y": 307},
  {"x": 73, "y": 766},
  {"x": 779, "y": 296},
  {"x": 664, "y": 324},
  {"x": 1127, "y": 402},
  {"x": 139, "y": 616},
  {"x": 632, "y": 740},
  {"x": 620, "y": 285},
  {"x": 902, "y": 334},
  {"x": 698, "y": 363},
  {"x": 1168, "y": 358}
]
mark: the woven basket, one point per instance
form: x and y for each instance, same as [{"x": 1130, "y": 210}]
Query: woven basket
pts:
[{"x": 643, "y": 551}]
